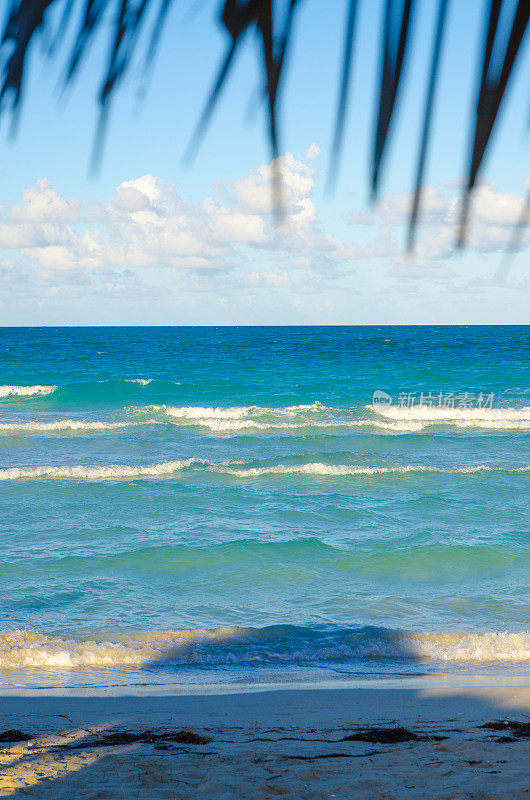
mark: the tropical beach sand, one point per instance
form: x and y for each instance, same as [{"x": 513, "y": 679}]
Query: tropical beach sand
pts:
[{"x": 283, "y": 743}]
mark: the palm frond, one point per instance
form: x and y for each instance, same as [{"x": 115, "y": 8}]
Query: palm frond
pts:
[
  {"x": 393, "y": 51},
  {"x": 273, "y": 22},
  {"x": 25, "y": 18},
  {"x": 344, "y": 90},
  {"x": 494, "y": 80},
  {"x": 427, "y": 120}
]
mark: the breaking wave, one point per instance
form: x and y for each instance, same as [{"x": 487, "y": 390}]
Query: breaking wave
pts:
[
  {"x": 60, "y": 425},
  {"x": 298, "y": 419},
  {"x": 493, "y": 418},
  {"x": 276, "y": 644},
  {"x": 240, "y": 419},
  {"x": 234, "y": 468},
  {"x": 110, "y": 472},
  {"x": 26, "y": 391},
  {"x": 316, "y": 468},
  {"x": 391, "y": 419}
]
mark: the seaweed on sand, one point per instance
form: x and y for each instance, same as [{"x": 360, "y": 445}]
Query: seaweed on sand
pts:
[{"x": 117, "y": 738}]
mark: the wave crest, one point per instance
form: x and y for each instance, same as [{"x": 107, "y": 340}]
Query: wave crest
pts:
[
  {"x": 111, "y": 472},
  {"x": 493, "y": 418},
  {"x": 26, "y": 391},
  {"x": 277, "y": 644},
  {"x": 60, "y": 425},
  {"x": 229, "y": 419},
  {"x": 235, "y": 469}
]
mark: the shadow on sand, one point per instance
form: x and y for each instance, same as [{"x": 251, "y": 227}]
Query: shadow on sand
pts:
[{"x": 442, "y": 742}]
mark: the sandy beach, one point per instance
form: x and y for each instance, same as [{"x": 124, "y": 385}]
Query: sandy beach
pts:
[{"x": 317, "y": 743}]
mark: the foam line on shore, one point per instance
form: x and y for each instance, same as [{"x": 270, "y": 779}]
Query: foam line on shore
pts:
[{"x": 277, "y": 644}]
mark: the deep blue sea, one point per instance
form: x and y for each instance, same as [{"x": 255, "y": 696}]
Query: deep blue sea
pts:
[{"x": 223, "y": 504}]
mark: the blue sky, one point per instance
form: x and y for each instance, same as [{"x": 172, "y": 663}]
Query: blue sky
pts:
[{"x": 151, "y": 240}]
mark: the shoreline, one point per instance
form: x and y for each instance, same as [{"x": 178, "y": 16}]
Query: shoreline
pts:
[
  {"x": 293, "y": 743},
  {"x": 283, "y": 682}
]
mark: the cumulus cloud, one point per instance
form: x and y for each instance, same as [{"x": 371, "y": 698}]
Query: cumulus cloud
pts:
[
  {"x": 493, "y": 217},
  {"x": 231, "y": 241},
  {"x": 147, "y": 224},
  {"x": 43, "y": 204}
]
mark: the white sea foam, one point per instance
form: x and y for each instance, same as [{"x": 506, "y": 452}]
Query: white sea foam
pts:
[
  {"x": 251, "y": 419},
  {"x": 140, "y": 381},
  {"x": 26, "y": 391},
  {"x": 60, "y": 425},
  {"x": 316, "y": 468},
  {"x": 66, "y": 425},
  {"x": 399, "y": 426},
  {"x": 228, "y": 419},
  {"x": 227, "y": 426},
  {"x": 232, "y": 412},
  {"x": 240, "y": 419},
  {"x": 493, "y": 418},
  {"x": 496, "y": 646},
  {"x": 204, "y": 412},
  {"x": 233, "y": 468},
  {"x": 111, "y": 472},
  {"x": 239, "y": 646}
]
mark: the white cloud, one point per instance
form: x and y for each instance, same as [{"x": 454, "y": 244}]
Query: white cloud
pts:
[
  {"x": 42, "y": 204},
  {"x": 413, "y": 269},
  {"x": 272, "y": 277},
  {"x": 296, "y": 180},
  {"x": 229, "y": 244},
  {"x": 312, "y": 152},
  {"x": 492, "y": 219},
  {"x": 147, "y": 224}
]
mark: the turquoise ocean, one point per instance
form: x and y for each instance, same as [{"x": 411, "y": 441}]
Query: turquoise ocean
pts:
[{"x": 211, "y": 505}]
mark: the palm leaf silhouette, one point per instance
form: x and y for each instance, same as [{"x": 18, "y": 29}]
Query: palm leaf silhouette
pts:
[{"x": 274, "y": 22}]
